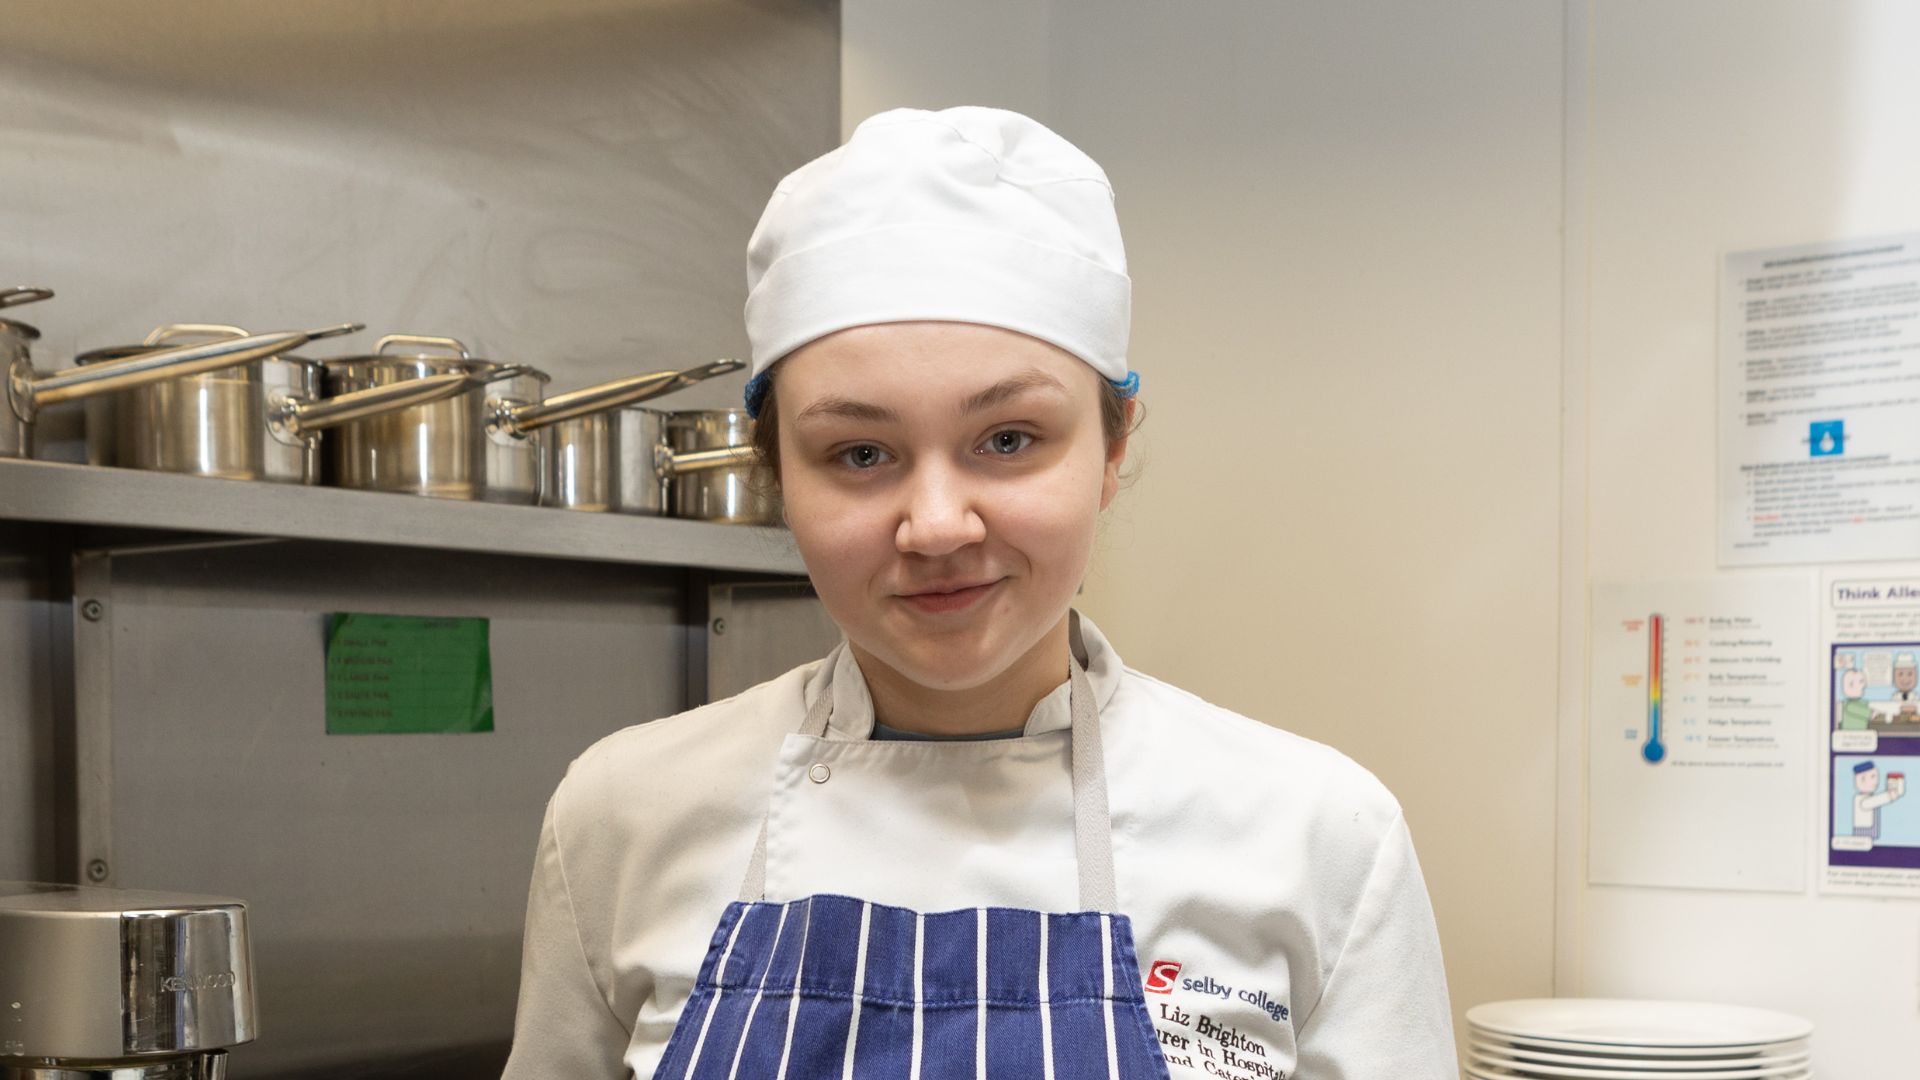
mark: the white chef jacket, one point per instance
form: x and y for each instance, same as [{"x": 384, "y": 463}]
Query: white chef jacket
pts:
[
  {"x": 1281, "y": 922},
  {"x": 1867, "y": 807}
]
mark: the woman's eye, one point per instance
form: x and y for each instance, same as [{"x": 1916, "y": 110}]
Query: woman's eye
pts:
[
  {"x": 1007, "y": 443},
  {"x": 864, "y": 456}
]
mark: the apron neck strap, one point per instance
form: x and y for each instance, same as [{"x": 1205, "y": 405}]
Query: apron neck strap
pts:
[{"x": 1092, "y": 828}]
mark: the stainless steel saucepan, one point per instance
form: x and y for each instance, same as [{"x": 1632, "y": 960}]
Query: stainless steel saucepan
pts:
[
  {"x": 480, "y": 444},
  {"x": 611, "y": 461},
  {"x": 28, "y": 391},
  {"x": 441, "y": 449},
  {"x": 712, "y": 465},
  {"x": 260, "y": 421},
  {"x": 16, "y": 353}
]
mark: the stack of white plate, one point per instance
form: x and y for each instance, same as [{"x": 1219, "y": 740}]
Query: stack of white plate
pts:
[{"x": 1608, "y": 1039}]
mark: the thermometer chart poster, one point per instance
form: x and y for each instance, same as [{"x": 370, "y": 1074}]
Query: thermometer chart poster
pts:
[
  {"x": 1698, "y": 700},
  {"x": 1872, "y": 665}
]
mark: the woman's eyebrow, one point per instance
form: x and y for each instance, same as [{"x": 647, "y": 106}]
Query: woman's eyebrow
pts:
[
  {"x": 1009, "y": 388},
  {"x": 846, "y": 409},
  {"x": 1004, "y": 390}
]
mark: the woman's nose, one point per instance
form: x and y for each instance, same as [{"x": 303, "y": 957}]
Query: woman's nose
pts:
[{"x": 941, "y": 515}]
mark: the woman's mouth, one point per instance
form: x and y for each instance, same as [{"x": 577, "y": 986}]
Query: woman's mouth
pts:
[{"x": 959, "y": 599}]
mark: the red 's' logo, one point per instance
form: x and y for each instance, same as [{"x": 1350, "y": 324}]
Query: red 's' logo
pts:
[{"x": 1161, "y": 975}]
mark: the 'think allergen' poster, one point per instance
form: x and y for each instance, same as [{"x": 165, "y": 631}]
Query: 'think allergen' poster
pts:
[{"x": 1872, "y": 660}]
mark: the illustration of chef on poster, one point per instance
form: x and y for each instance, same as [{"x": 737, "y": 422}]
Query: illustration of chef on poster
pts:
[{"x": 1872, "y": 640}]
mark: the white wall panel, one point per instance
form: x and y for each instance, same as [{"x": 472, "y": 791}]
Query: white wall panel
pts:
[{"x": 1714, "y": 127}]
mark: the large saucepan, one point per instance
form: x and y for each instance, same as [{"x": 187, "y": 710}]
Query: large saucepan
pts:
[
  {"x": 441, "y": 449},
  {"x": 28, "y": 391},
  {"x": 480, "y": 444},
  {"x": 260, "y": 421}
]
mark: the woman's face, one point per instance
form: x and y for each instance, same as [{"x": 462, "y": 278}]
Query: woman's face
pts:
[{"x": 943, "y": 482}]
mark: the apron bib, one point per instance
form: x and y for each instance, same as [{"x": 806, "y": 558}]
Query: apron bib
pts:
[{"x": 835, "y": 986}]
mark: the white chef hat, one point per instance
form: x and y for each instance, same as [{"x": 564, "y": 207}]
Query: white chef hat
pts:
[{"x": 963, "y": 215}]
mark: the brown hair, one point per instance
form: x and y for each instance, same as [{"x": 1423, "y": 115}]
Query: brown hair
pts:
[{"x": 766, "y": 430}]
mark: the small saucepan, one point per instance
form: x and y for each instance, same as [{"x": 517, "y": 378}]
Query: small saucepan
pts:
[
  {"x": 259, "y": 421},
  {"x": 712, "y": 468},
  {"x": 16, "y": 354},
  {"x": 28, "y": 391}
]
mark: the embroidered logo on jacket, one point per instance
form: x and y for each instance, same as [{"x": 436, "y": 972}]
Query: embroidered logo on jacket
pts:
[
  {"x": 1161, "y": 975},
  {"x": 1196, "y": 1039},
  {"x": 1164, "y": 975}
]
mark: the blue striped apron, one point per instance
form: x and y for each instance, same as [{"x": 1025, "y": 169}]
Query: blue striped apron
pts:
[{"x": 833, "y": 986}]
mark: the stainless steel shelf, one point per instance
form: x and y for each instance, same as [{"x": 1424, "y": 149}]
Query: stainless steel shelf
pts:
[{"x": 44, "y": 491}]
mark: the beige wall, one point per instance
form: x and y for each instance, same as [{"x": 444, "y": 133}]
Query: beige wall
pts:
[
  {"x": 1707, "y": 128},
  {"x": 1342, "y": 222}
]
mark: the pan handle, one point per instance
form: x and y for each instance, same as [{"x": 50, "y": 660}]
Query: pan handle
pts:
[
  {"x": 707, "y": 371},
  {"x": 301, "y": 418},
  {"x": 725, "y": 457},
  {"x": 521, "y": 420},
  {"x": 26, "y": 393},
  {"x": 23, "y": 294},
  {"x": 452, "y": 345}
]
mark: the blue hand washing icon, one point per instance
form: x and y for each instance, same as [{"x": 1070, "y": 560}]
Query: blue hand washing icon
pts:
[{"x": 1827, "y": 438}]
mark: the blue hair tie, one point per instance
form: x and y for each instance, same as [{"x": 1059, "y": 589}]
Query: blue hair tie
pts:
[{"x": 756, "y": 391}]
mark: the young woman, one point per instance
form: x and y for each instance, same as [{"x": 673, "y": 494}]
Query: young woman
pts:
[{"x": 969, "y": 842}]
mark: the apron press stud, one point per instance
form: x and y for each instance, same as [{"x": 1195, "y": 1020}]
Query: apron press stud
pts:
[{"x": 818, "y": 772}]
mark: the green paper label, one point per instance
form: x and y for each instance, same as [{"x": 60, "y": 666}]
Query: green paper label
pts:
[{"x": 407, "y": 675}]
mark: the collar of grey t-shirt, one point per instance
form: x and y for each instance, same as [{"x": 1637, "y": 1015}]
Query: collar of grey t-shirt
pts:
[{"x": 883, "y": 732}]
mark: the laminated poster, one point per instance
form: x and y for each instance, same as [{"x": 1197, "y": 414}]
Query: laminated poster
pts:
[
  {"x": 407, "y": 675},
  {"x": 1871, "y": 619},
  {"x": 1820, "y": 403},
  {"x": 1698, "y": 707}
]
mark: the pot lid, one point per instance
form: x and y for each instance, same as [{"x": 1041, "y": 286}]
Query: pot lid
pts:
[
  {"x": 489, "y": 370},
  {"x": 446, "y": 351}
]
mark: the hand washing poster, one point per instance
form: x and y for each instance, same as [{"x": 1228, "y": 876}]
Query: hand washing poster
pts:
[
  {"x": 1872, "y": 660},
  {"x": 1698, "y": 737},
  {"x": 1820, "y": 403}
]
